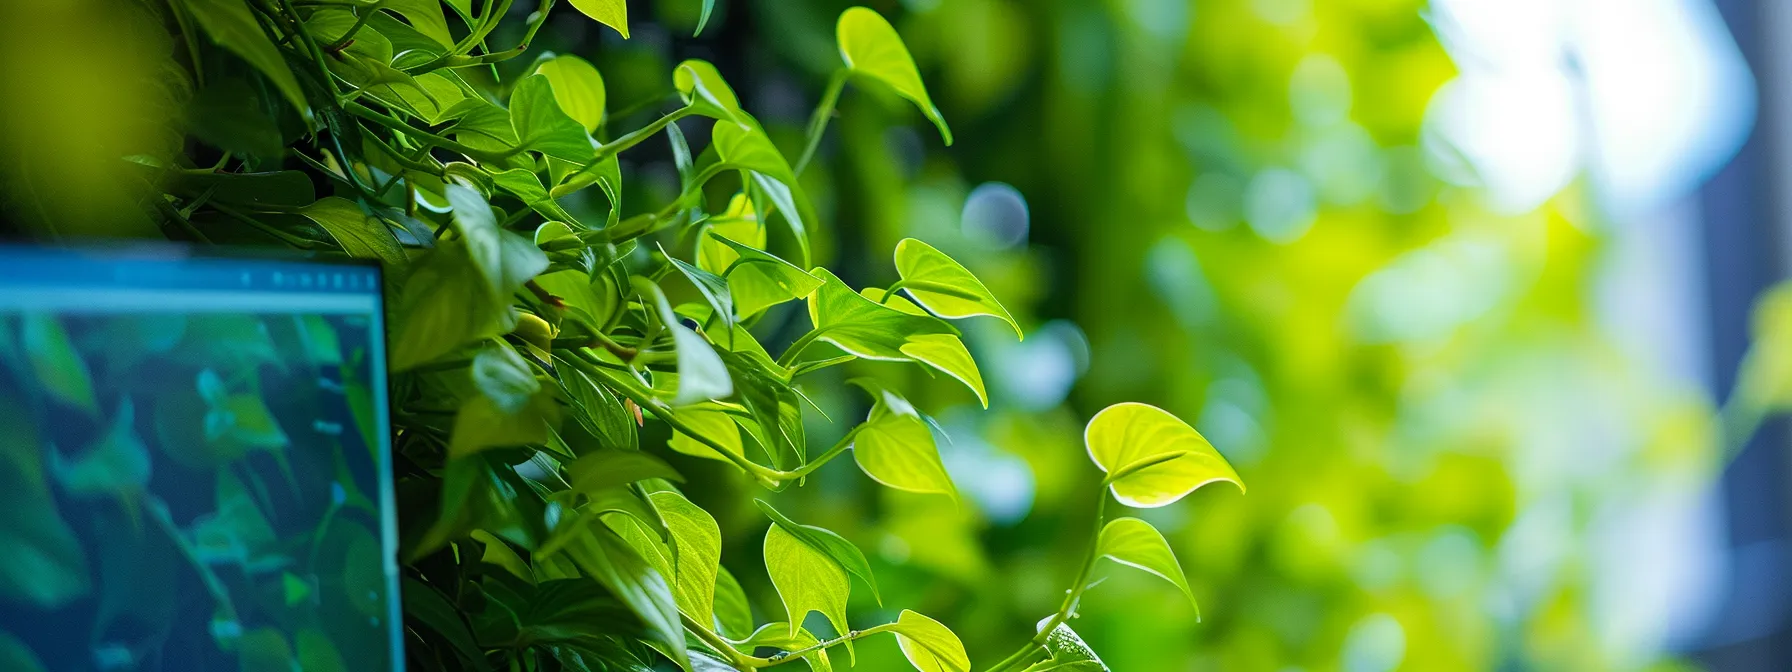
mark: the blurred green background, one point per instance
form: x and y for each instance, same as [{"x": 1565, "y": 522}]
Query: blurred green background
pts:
[{"x": 1458, "y": 287}]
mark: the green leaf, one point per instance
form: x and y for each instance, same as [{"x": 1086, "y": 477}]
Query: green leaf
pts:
[
  {"x": 542, "y": 126},
  {"x": 506, "y": 260},
  {"x": 59, "y": 369},
  {"x": 483, "y": 423},
  {"x": 746, "y": 146},
  {"x": 945, "y": 287},
  {"x": 448, "y": 300},
  {"x": 1069, "y": 653},
  {"x": 843, "y": 553},
  {"x": 604, "y": 556},
  {"x": 734, "y": 615},
  {"x": 359, "y": 233},
  {"x": 423, "y": 604},
  {"x": 806, "y": 578},
  {"x": 871, "y": 47},
  {"x": 698, "y": 543},
  {"x": 706, "y": 93},
  {"x": 713, "y": 423},
  {"x": 578, "y": 87},
  {"x": 426, "y": 17},
  {"x": 15, "y": 656},
  {"x": 940, "y": 351},
  {"x": 863, "y": 327},
  {"x": 701, "y": 374},
  {"x": 527, "y": 188},
  {"x": 759, "y": 280},
  {"x": 929, "y": 645},
  {"x": 237, "y": 532},
  {"x": 612, "y": 13},
  {"x": 502, "y": 376},
  {"x": 609, "y": 468},
  {"x": 1134, "y": 542},
  {"x": 232, "y": 25},
  {"x": 713, "y": 288},
  {"x": 1153, "y": 458},
  {"x": 597, "y": 409},
  {"x": 115, "y": 465},
  {"x": 895, "y": 447}
]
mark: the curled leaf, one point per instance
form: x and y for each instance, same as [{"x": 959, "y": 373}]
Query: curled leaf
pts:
[{"x": 1153, "y": 458}]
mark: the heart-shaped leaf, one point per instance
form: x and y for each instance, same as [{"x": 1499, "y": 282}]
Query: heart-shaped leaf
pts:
[
  {"x": 698, "y": 545},
  {"x": 895, "y": 447},
  {"x": 1152, "y": 458},
  {"x": 706, "y": 93},
  {"x": 940, "y": 351},
  {"x": 578, "y": 88},
  {"x": 944, "y": 286},
  {"x": 1134, "y": 542},
  {"x": 806, "y": 578},
  {"x": 541, "y": 125},
  {"x": 825, "y": 541},
  {"x": 864, "y": 327},
  {"x": 871, "y": 47},
  {"x": 929, "y": 645},
  {"x": 713, "y": 423}
]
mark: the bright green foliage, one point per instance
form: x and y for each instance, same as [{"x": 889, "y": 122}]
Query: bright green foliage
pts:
[
  {"x": 1130, "y": 541},
  {"x": 1152, "y": 458},
  {"x": 929, "y": 645},
  {"x": 807, "y": 579},
  {"x": 578, "y": 88},
  {"x": 870, "y": 46},
  {"x": 945, "y": 287},
  {"x": 553, "y": 352}
]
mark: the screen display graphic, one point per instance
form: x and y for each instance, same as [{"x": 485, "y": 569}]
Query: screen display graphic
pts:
[{"x": 194, "y": 471}]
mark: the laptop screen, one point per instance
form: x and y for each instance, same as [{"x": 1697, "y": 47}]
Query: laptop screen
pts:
[{"x": 194, "y": 465}]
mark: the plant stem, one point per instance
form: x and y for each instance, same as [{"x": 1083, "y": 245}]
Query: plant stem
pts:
[
  {"x": 1070, "y": 599},
  {"x": 818, "y": 123},
  {"x": 739, "y": 660},
  {"x": 421, "y": 135},
  {"x": 343, "y": 42},
  {"x": 790, "y": 353}
]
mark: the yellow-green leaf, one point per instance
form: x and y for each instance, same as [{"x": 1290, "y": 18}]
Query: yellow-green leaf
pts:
[
  {"x": 945, "y": 352},
  {"x": 612, "y": 13},
  {"x": 1153, "y": 458},
  {"x": 929, "y": 645},
  {"x": 704, "y": 90},
  {"x": 895, "y": 447},
  {"x": 1134, "y": 542},
  {"x": 578, "y": 87},
  {"x": 698, "y": 553},
  {"x": 734, "y": 615},
  {"x": 807, "y": 579},
  {"x": 944, "y": 286},
  {"x": 871, "y": 47},
  {"x": 713, "y": 423}
]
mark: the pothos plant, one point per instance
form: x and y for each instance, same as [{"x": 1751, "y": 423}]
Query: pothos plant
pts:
[{"x": 530, "y": 345}]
